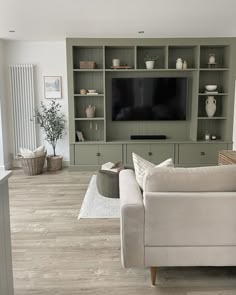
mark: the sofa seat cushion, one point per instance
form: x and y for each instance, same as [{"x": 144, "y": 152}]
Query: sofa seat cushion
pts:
[{"x": 200, "y": 179}]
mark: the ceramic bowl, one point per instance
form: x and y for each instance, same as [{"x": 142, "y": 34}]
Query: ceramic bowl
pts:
[
  {"x": 92, "y": 91},
  {"x": 211, "y": 87}
]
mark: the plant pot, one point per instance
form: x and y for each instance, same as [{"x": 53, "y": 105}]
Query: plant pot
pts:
[
  {"x": 150, "y": 64},
  {"x": 54, "y": 163}
]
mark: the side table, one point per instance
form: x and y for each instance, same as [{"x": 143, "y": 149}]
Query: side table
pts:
[{"x": 227, "y": 158}]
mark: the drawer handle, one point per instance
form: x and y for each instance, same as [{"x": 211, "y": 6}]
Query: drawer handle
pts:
[
  {"x": 150, "y": 153},
  {"x": 98, "y": 154},
  {"x": 202, "y": 153}
]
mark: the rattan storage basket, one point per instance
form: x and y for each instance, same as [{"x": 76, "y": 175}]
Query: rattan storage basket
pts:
[{"x": 33, "y": 166}]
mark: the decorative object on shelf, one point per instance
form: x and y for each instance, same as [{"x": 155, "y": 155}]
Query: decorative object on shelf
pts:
[
  {"x": 210, "y": 106},
  {"x": 211, "y": 87},
  {"x": 92, "y": 91},
  {"x": 213, "y": 137},
  {"x": 207, "y": 136},
  {"x": 52, "y": 87},
  {"x": 179, "y": 64},
  {"x": 90, "y": 111},
  {"x": 80, "y": 135},
  {"x": 150, "y": 61},
  {"x": 83, "y": 91},
  {"x": 87, "y": 65},
  {"x": 185, "y": 65},
  {"x": 115, "y": 62},
  {"x": 52, "y": 121},
  {"x": 212, "y": 59}
]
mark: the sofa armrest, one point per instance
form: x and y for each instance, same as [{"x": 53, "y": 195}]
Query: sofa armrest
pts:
[{"x": 131, "y": 220}]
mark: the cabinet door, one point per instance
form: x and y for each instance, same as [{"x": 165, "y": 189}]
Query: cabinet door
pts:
[
  {"x": 161, "y": 152},
  {"x": 142, "y": 150},
  {"x": 86, "y": 154},
  {"x": 110, "y": 153},
  {"x": 204, "y": 154}
]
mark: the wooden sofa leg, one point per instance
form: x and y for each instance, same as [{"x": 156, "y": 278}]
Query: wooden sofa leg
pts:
[{"x": 153, "y": 270}]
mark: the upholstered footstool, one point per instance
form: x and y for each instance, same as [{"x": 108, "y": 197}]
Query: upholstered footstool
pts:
[{"x": 108, "y": 183}]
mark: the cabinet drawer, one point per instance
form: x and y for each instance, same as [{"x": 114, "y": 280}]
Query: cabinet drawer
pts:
[
  {"x": 110, "y": 153},
  {"x": 161, "y": 152},
  {"x": 154, "y": 152},
  {"x": 86, "y": 154},
  {"x": 140, "y": 149},
  {"x": 205, "y": 154}
]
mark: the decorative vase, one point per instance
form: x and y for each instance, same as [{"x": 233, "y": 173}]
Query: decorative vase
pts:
[
  {"x": 179, "y": 64},
  {"x": 150, "y": 64},
  {"x": 212, "y": 59},
  {"x": 90, "y": 111},
  {"x": 210, "y": 106}
]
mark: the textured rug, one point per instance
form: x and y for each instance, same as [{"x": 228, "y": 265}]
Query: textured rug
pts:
[{"x": 97, "y": 206}]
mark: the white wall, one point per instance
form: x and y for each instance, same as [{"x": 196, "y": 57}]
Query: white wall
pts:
[
  {"x": 49, "y": 59},
  {"x": 234, "y": 128},
  {"x": 4, "y": 148}
]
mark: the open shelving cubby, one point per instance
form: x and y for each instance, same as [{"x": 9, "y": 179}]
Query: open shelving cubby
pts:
[{"x": 187, "y": 53}]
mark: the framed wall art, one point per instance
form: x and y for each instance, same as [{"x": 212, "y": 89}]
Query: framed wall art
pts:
[{"x": 52, "y": 87}]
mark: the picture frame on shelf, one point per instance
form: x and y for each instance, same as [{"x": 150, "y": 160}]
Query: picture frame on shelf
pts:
[
  {"x": 80, "y": 135},
  {"x": 52, "y": 87}
]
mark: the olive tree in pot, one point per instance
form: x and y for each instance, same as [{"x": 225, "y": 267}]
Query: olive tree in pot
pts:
[{"x": 52, "y": 121}]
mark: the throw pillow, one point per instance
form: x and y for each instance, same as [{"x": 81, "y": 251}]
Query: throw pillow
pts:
[
  {"x": 141, "y": 165},
  {"x": 25, "y": 153}
]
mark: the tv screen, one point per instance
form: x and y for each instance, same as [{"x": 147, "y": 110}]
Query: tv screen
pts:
[{"x": 137, "y": 99}]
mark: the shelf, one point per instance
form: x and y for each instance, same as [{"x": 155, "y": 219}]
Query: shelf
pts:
[
  {"x": 84, "y": 95},
  {"x": 90, "y": 119},
  {"x": 212, "y": 118},
  {"x": 87, "y": 70},
  {"x": 216, "y": 94},
  {"x": 213, "y": 69},
  {"x": 89, "y": 142},
  {"x": 152, "y": 70}
]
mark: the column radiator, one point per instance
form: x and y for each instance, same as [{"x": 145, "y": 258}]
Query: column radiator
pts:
[{"x": 22, "y": 99}]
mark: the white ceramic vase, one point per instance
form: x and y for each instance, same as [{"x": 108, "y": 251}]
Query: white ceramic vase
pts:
[
  {"x": 179, "y": 64},
  {"x": 210, "y": 106},
  {"x": 90, "y": 111},
  {"x": 150, "y": 64}
]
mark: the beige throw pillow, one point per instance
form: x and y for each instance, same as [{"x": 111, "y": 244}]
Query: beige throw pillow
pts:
[
  {"x": 141, "y": 165},
  {"x": 25, "y": 153}
]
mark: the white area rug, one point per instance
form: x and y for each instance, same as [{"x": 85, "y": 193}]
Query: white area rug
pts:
[{"x": 97, "y": 206}]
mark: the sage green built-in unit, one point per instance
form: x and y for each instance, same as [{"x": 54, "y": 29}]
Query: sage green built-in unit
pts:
[{"x": 107, "y": 140}]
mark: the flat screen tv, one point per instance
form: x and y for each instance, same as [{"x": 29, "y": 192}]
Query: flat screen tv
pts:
[{"x": 148, "y": 99}]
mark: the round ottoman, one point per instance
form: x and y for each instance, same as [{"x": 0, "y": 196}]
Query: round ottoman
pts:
[{"x": 108, "y": 183}]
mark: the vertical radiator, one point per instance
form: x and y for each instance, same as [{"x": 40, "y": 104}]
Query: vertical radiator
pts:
[{"x": 22, "y": 98}]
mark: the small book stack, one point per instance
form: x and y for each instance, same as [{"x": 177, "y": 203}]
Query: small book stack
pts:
[{"x": 114, "y": 167}]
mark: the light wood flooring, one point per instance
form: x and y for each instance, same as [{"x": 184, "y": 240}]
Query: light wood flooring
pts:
[{"x": 55, "y": 253}]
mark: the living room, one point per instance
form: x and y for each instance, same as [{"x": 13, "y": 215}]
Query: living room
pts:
[{"x": 59, "y": 244}]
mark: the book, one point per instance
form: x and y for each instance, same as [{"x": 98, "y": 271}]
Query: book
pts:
[{"x": 114, "y": 167}]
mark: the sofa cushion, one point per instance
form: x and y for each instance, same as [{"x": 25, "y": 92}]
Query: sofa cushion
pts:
[
  {"x": 141, "y": 165},
  {"x": 207, "y": 179},
  {"x": 25, "y": 153}
]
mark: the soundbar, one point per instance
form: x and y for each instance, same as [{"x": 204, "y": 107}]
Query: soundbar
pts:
[{"x": 147, "y": 137}]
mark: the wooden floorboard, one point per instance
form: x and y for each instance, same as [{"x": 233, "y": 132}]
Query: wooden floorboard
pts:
[{"x": 55, "y": 253}]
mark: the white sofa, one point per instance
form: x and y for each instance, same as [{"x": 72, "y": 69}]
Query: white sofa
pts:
[{"x": 183, "y": 217}]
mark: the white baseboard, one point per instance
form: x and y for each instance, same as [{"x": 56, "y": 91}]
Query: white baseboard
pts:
[
  {"x": 65, "y": 163},
  {"x": 7, "y": 166}
]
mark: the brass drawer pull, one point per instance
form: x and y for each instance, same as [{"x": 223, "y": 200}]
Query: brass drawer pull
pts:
[
  {"x": 202, "y": 153},
  {"x": 150, "y": 153},
  {"x": 98, "y": 154}
]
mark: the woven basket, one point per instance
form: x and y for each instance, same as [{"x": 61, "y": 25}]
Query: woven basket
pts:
[{"x": 33, "y": 166}]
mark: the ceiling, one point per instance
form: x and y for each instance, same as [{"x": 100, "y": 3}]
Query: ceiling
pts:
[{"x": 58, "y": 19}]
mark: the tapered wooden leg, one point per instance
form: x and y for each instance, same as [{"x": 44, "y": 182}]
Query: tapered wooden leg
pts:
[{"x": 153, "y": 270}]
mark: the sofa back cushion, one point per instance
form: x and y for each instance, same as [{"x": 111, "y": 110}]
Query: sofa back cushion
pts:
[{"x": 200, "y": 179}]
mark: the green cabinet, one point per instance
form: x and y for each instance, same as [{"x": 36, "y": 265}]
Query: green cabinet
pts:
[
  {"x": 97, "y": 154},
  {"x": 154, "y": 152},
  {"x": 200, "y": 154}
]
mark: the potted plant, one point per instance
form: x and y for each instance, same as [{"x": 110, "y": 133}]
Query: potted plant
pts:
[
  {"x": 52, "y": 121},
  {"x": 150, "y": 61}
]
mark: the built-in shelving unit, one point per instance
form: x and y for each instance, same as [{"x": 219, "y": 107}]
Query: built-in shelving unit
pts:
[{"x": 101, "y": 130}]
